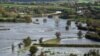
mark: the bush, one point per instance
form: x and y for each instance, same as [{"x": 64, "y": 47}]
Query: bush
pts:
[
  {"x": 67, "y": 28},
  {"x": 79, "y": 34},
  {"x": 93, "y": 36},
  {"x": 27, "y": 19},
  {"x": 97, "y": 29},
  {"x": 92, "y": 53},
  {"x": 27, "y": 41},
  {"x": 68, "y": 23},
  {"x": 72, "y": 54},
  {"x": 64, "y": 16},
  {"x": 33, "y": 50}
]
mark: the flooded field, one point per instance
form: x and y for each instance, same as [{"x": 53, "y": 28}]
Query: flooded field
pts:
[{"x": 18, "y": 31}]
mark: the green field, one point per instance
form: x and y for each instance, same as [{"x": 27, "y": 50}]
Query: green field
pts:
[
  {"x": 52, "y": 41},
  {"x": 34, "y": 6}
]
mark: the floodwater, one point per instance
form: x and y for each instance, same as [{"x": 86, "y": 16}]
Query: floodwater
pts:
[
  {"x": 66, "y": 51},
  {"x": 19, "y": 31}
]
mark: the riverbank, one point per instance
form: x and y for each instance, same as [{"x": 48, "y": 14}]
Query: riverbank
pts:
[
  {"x": 56, "y": 43},
  {"x": 24, "y": 19},
  {"x": 52, "y": 41},
  {"x": 71, "y": 45}
]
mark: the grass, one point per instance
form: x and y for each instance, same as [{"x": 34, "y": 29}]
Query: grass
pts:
[
  {"x": 52, "y": 41},
  {"x": 12, "y": 5},
  {"x": 82, "y": 19},
  {"x": 96, "y": 6},
  {"x": 36, "y": 6}
]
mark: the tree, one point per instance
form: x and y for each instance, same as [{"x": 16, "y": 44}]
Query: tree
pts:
[
  {"x": 67, "y": 27},
  {"x": 13, "y": 14},
  {"x": 68, "y": 23},
  {"x": 33, "y": 50},
  {"x": 2, "y": 10},
  {"x": 88, "y": 22},
  {"x": 41, "y": 40},
  {"x": 85, "y": 54},
  {"x": 72, "y": 54},
  {"x": 18, "y": 16},
  {"x": 58, "y": 34},
  {"x": 27, "y": 19},
  {"x": 5, "y": 14},
  {"x": 38, "y": 11},
  {"x": 27, "y": 41},
  {"x": 64, "y": 15},
  {"x": 79, "y": 34},
  {"x": 96, "y": 3}
]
